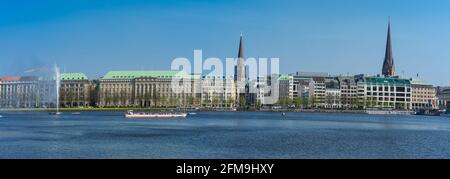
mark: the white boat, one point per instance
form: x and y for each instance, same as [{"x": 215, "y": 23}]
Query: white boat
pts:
[
  {"x": 55, "y": 113},
  {"x": 142, "y": 115},
  {"x": 1, "y": 116},
  {"x": 389, "y": 112}
]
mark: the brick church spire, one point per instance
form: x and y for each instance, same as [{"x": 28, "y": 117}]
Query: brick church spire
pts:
[{"x": 388, "y": 64}]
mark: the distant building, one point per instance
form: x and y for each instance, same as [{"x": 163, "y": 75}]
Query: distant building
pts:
[
  {"x": 75, "y": 90},
  {"x": 145, "y": 89},
  {"x": 332, "y": 94},
  {"x": 286, "y": 85},
  {"x": 385, "y": 92},
  {"x": 349, "y": 91},
  {"x": 27, "y": 92},
  {"x": 311, "y": 87},
  {"x": 423, "y": 95},
  {"x": 443, "y": 97},
  {"x": 218, "y": 91}
]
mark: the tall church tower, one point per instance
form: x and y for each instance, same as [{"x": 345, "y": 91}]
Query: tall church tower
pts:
[
  {"x": 388, "y": 64},
  {"x": 240, "y": 74}
]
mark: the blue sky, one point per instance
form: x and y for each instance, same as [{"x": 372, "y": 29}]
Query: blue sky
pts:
[{"x": 335, "y": 36}]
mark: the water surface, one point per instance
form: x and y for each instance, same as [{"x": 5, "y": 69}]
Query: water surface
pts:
[{"x": 223, "y": 135}]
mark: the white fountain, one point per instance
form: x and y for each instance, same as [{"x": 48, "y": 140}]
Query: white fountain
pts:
[{"x": 57, "y": 86}]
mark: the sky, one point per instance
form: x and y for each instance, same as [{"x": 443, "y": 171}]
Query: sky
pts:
[{"x": 339, "y": 37}]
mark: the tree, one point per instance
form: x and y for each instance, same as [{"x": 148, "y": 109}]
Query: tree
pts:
[
  {"x": 123, "y": 97},
  {"x": 106, "y": 97},
  {"x": 116, "y": 99},
  {"x": 190, "y": 100},
  {"x": 62, "y": 98},
  {"x": 206, "y": 102},
  {"x": 242, "y": 102},
  {"x": 330, "y": 100},
  {"x": 313, "y": 101},
  {"x": 298, "y": 101},
  {"x": 70, "y": 97},
  {"x": 258, "y": 103}
]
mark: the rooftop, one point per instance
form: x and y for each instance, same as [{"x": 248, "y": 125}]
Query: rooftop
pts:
[
  {"x": 10, "y": 78},
  {"x": 73, "y": 76},
  {"x": 387, "y": 80},
  {"x": 127, "y": 75},
  {"x": 283, "y": 77}
]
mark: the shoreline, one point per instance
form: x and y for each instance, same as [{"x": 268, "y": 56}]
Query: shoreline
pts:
[
  {"x": 173, "y": 108},
  {"x": 81, "y": 109}
]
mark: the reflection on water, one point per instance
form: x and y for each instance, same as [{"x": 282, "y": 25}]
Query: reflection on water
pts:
[{"x": 223, "y": 135}]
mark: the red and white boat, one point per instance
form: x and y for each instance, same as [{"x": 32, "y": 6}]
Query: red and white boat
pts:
[{"x": 142, "y": 115}]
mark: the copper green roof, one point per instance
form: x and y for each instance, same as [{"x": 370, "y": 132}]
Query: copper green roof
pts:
[
  {"x": 73, "y": 76},
  {"x": 283, "y": 77},
  {"x": 127, "y": 75},
  {"x": 387, "y": 81}
]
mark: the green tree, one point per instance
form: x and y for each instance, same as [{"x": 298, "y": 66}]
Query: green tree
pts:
[
  {"x": 123, "y": 97},
  {"x": 242, "y": 102},
  {"x": 298, "y": 102}
]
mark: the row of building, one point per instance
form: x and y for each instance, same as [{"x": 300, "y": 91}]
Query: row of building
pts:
[{"x": 154, "y": 88}]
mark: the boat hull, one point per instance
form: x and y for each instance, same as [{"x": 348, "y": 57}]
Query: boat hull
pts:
[{"x": 154, "y": 116}]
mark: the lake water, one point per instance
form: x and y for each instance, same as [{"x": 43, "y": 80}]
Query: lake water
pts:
[{"x": 223, "y": 135}]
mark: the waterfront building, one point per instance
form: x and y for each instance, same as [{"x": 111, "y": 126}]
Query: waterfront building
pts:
[
  {"x": 218, "y": 91},
  {"x": 13, "y": 92},
  {"x": 286, "y": 86},
  {"x": 332, "y": 94},
  {"x": 261, "y": 92},
  {"x": 388, "y": 64},
  {"x": 443, "y": 97},
  {"x": 27, "y": 92},
  {"x": 75, "y": 90},
  {"x": 146, "y": 89},
  {"x": 349, "y": 91},
  {"x": 423, "y": 95},
  {"x": 385, "y": 93},
  {"x": 310, "y": 85},
  {"x": 301, "y": 89}
]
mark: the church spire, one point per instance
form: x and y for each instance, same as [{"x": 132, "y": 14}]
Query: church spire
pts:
[
  {"x": 240, "y": 74},
  {"x": 241, "y": 48},
  {"x": 388, "y": 64}
]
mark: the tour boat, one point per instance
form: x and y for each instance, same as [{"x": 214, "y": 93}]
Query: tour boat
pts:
[
  {"x": 142, "y": 115},
  {"x": 54, "y": 113}
]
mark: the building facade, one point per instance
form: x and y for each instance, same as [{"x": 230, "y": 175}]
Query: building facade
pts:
[
  {"x": 443, "y": 97},
  {"x": 218, "y": 91},
  {"x": 27, "y": 92},
  {"x": 423, "y": 95},
  {"x": 286, "y": 86},
  {"x": 385, "y": 93},
  {"x": 349, "y": 91},
  {"x": 146, "y": 89},
  {"x": 75, "y": 90}
]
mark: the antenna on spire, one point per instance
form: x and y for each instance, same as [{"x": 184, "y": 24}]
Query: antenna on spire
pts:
[{"x": 241, "y": 34}]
